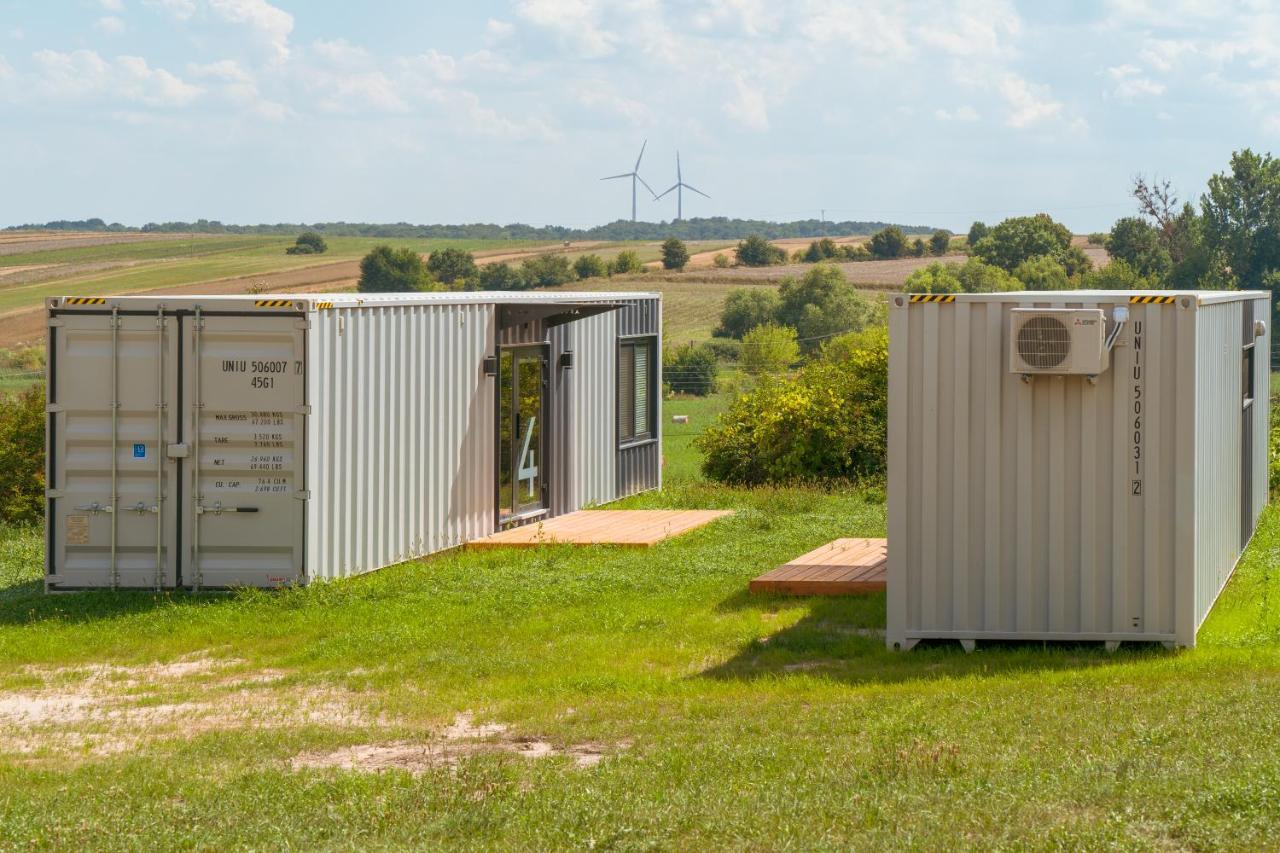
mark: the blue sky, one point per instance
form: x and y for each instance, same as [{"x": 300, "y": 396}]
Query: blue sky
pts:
[{"x": 389, "y": 110}]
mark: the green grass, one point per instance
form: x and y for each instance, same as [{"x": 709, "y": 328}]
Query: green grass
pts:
[{"x": 732, "y": 720}]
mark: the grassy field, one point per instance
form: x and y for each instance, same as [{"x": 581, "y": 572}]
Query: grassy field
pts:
[{"x": 623, "y": 699}]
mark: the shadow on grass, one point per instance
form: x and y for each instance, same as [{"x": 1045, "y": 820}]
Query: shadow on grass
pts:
[
  {"x": 27, "y": 603},
  {"x": 841, "y": 638}
]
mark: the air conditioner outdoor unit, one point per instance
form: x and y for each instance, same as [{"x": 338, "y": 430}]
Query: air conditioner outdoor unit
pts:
[{"x": 1058, "y": 341}]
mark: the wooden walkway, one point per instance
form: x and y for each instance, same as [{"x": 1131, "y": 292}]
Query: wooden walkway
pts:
[
  {"x": 638, "y": 528},
  {"x": 842, "y": 567}
]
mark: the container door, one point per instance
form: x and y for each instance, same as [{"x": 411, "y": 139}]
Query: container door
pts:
[
  {"x": 113, "y": 419},
  {"x": 522, "y": 492},
  {"x": 246, "y": 387}
]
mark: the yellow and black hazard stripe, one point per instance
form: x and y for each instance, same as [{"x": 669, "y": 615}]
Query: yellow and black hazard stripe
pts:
[
  {"x": 85, "y": 300},
  {"x": 933, "y": 297},
  {"x": 321, "y": 306},
  {"x": 273, "y": 303},
  {"x": 1151, "y": 300}
]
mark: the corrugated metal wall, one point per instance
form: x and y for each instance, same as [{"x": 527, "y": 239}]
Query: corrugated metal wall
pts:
[
  {"x": 593, "y": 410},
  {"x": 401, "y": 451},
  {"x": 1053, "y": 509},
  {"x": 1262, "y": 408}
]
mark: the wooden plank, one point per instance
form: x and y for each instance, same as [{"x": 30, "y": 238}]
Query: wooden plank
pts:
[
  {"x": 636, "y": 528},
  {"x": 842, "y": 567}
]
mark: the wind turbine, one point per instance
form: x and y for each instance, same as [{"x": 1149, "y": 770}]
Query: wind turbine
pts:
[
  {"x": 680, "y": 186},
  {"x": 634, "y": 175}
]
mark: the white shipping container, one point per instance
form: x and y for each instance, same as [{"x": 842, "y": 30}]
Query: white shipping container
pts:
[
  {"x": 1041, "y": 488},
  {"x": 216, "y": 441}
]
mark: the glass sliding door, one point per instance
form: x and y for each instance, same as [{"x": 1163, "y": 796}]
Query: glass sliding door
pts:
[{"x": 521, "y": 457}]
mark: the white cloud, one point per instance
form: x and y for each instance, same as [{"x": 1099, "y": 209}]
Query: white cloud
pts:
[
  {"x": 227, "y": 70},
  {"x": 6, "y": 70},
  {"x": 339, "y": 51},
  {"x": 112, "y": 5},
  {"x": 180, "y": 9},
  {"x": 747, "y": 106},
  {"x": 1130, "y": 83},
  {"x": 964, "y": 113},
  {"x": 749, "y": 17},
  {"x": 361, "y": 92},
  {"x": 440, "y": 66},
  {"x": 109, "y": 24},
  {"x": 576, "y": 23},
  {"x": 271, "y": 24},
  {"x": 1165, "y": 54},
  {"x": 1028, "y": 103},
  {"x": 83, "y": 73},
  {"x": 496, "y": 31},
  {"x": 599, "y": 95}
]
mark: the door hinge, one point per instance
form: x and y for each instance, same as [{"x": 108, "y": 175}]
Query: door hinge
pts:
[
  {"x": 178, "y": 451},
  {"x": 54, "y": 494},
  {"x": 57, "y": 322},
  {"x": 302, "y": 495},
  {"x": 54, "y": 408},
  {"x": 302, "y": 410},
  {"x": 304, "y": 325}
]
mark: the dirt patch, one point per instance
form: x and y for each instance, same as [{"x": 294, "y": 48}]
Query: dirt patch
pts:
[
  {"x": 459, "y": 740},
  {"x": 103, "y": 709}
]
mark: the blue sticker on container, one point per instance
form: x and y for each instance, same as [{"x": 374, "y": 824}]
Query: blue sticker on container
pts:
[{"x": 139, "y": 451}]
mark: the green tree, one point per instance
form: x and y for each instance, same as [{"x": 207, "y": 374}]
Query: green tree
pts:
[
  {"x": 769, "y": 350},
  {"x": 755, "y": 251},
  {"x": 22, "y": 483},
  {"x": 1138, "y": 244},
  {"x": 720, "y": 261},
  {"x": 388, "y": 270},
  {"x": 977, "y": 231},
  {"x": 450, "y": 265},
  {"x": 691, "y": 369},
  {"x": 820, "y": 304},
  {"x": 500, "y": 276},
  {"x": 976, "y": 277},
  {"x": 626, "y": 262},
  {"x": 1042, "y": 272},
  {"x": 1022, "y": 237},
  {"x": 590, "y": 266},
  {"x": 745, "y": 308},
  {"x": 940, "y": 242},
  {"x": 1242, "y": 217},
  {"x": 821, "y": 250},
  {"x": 889, "y": 242},
  {"x": 934, "y": 278},
  {"x": 546, "y": 271},
  {"x": 674, "y": 254},
  {"x": 918, "y": 248},
  {"x": 308, "y": 243}
]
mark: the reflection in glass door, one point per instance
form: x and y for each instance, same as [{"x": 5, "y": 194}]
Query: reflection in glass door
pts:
[{"x": 521, "y": 472}]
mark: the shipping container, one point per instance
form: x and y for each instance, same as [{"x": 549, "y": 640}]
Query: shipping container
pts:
[
  {"x": 219, "y": 441},
  {"x": 1080, "y": 466}
]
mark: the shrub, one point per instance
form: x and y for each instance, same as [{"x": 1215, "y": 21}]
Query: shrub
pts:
[
  {"x": 820, "y": 304},
  {"x": 388, "y": 270},
  {"x": 1273, "y": 451},
  {"x": 499, "y": 276},
  {"x": 721, "y": 260},
  {"x": 918, "y": 248},
  {"x": 25, "y": 359},
  {"x": 1116, "y": 275},
  {"x": 821, "y": 250},
  {"x": 827, "y": 423},
  {"x": 675, "y": 254},
  {"x": 769, "y": 349},
  {"x": 451, "y": 265},
  {"x": 590, "y": 266},
  {"x": 1042, "y": 273},
  {"x": 308, "y": 243},
  {"x": 755, "y": 251},
  {"x": 627, "y": 261},
  {"x": 691, "y": 369},
  {"x": 745, "y": 308},
  {"x": 934, "y": 278},
  {"x": 22, "y": 423},
  {"x": 940, "y": 242},
  {"x": 1097, "y": 238},
  {"x": 976, "y": 277},
  {"x": 725, "y": 350},
  {"x": 888, "y": 242},
  {"x": 546, "y": 271},
  {"x": 855, "y": 252}
]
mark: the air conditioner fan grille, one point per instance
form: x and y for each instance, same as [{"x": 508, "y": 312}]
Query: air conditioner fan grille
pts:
[{"x": 1044, "y": 342}]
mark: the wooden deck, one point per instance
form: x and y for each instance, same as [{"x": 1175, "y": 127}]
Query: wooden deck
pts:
[
  {"x": 638, "y": 528},
  {"x": 842, "y": 567}
]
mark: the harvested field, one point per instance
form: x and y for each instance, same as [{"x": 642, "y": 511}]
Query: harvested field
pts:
[
  {"x": 17, "y": 242},
  {"x": 873, "y": 274}
]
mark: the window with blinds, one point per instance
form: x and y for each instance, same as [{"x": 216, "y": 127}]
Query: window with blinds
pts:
[{"x": 635, "y": 389}]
